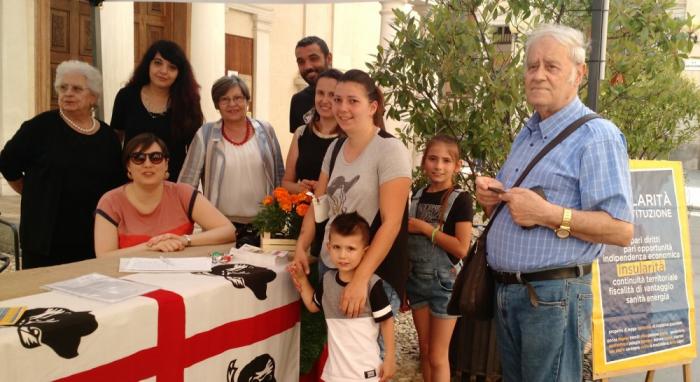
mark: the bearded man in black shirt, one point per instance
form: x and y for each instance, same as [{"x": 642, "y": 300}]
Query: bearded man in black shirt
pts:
[{"x": 313, "y": 57}]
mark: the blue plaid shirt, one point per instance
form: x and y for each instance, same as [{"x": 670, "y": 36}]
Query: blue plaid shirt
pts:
[{"x": 588, "y": 171}]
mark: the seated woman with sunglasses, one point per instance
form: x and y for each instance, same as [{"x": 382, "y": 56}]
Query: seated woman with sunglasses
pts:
[{"x": 151, "y": 212}]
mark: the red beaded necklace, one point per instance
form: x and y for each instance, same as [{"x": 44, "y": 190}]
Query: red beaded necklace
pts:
[{"x": 248, "y": 129}]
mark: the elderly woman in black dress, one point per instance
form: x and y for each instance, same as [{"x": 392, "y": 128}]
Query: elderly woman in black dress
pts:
[{"x": 61, "y": 162}]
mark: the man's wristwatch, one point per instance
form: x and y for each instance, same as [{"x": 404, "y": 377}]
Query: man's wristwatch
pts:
[
  {"x": 564, "y": 229},
  {"x": 188, "y": 240}
]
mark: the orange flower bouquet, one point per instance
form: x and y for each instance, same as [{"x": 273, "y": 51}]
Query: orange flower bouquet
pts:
[{"x": 282, "y": 213}]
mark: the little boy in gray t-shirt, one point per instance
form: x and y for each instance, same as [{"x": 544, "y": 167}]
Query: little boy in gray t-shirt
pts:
[{"x": 353, "y": 351}]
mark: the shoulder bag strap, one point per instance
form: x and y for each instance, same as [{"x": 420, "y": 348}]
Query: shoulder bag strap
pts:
[
  {"x": 334, "y": 155},
  {"x": 559, "y": 138}
]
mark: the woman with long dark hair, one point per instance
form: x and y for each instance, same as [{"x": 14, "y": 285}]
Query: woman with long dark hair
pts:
[
  {"x": 369, "y": 172},
  {"x": 162, "y": 97},
  {"x": 371, "y": 175},
  {"x": 311, "y": 141}
]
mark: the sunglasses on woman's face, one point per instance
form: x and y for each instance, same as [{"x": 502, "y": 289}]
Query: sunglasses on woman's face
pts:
[{"x": 140, "y": 158}]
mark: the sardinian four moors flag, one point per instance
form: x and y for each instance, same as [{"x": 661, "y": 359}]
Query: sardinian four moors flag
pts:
[{"x": 237, "y": 323}]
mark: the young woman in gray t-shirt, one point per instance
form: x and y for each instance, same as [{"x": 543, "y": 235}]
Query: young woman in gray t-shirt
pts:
[{"x": 372, "y": 176}]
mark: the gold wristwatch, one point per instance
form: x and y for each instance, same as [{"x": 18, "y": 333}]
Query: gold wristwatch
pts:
[{"x": 564, "y": 229}]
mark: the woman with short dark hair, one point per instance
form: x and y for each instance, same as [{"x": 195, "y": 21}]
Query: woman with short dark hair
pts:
[
  {"x": 152, "y": 213},
  {"x": 237, "y": 158},
  {"x": 162, "y": 97},
  {"x": 61, "y": 162}
]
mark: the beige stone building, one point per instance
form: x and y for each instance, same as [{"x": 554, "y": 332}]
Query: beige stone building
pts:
[{"x": 252, "y": 39}]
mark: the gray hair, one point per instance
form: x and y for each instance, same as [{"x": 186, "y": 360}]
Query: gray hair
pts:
[
  {"x": 92, "y": 75},
  {"x": 224, "y": 84},
  {"x": 567, "y": 36}
]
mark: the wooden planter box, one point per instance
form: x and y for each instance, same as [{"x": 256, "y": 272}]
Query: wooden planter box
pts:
[{"x": 269, "y": 244}]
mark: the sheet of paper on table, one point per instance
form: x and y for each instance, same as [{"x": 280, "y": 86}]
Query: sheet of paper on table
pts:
[
  {"x": 103, "y": 288},
  {"x": 255, "y": 256},
  {"x": 164, "y": 264}
]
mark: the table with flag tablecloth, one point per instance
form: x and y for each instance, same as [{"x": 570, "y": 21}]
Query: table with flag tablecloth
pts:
[{"x": 237, "y": 323}]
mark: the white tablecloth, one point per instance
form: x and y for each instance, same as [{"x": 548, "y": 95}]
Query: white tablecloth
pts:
[{"x": 196, "y": 327}]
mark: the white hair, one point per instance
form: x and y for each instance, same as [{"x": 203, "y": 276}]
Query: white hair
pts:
[
  {"x": 567, "y": 36},
  {"x": 92, "y": 75}
]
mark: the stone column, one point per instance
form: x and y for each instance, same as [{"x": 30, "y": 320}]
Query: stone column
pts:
[
  {"x": 262, "y": 25},
  {"x": 420, "y": 7},
  {"x": 386, "y": 33},
  {"x": 117, "y": 29},
  {"x": 208, "y": 50}
]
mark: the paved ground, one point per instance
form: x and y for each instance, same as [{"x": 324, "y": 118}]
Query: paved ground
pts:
[
  {"x": 9, "y": 208},
  {"x": 9, "y": 211}
]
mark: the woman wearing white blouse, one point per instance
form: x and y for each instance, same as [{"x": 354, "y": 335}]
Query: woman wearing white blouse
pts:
[{"x": 230, "y": 155}]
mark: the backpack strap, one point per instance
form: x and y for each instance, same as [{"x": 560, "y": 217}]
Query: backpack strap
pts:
[
  {"x": 415, "y": 199},
  {"x": 414, "y": 202},
  {"x": 450, "y": 202},
  {"x": 334, "y": 155}
]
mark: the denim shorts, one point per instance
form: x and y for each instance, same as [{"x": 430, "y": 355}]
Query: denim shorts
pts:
[{"x": 431, "y": 278}]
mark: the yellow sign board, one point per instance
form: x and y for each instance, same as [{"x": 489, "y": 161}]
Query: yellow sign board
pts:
[{"x": 643, "y": 306}]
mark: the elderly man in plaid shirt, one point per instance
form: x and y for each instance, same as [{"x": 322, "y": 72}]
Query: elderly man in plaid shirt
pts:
[{"x": 541, "y": 245}]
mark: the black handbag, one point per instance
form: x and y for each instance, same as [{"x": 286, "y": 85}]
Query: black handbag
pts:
[
  {"x": 473, "y": 290},
  {"x": 472, "y": 293}
]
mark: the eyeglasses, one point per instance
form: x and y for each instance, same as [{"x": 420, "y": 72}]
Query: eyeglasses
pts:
[
  {"x": 227, "y": 100},
  {"x": 64, "y": 88},
  {"x": 140, "y": 158}
]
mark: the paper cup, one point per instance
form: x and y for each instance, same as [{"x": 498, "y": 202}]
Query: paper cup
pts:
[{"x": 321, "y": 207}]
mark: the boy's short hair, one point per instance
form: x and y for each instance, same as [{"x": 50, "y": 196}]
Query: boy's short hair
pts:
[{"x": 348, "y": 224}]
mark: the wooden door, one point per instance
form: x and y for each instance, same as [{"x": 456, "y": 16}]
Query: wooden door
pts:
[
  {"x": 70, "y": 36},
  {"x": 239, "y": 58},
  {"x": 157, "y": 21}
]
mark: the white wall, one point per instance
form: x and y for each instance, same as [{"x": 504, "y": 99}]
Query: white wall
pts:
[
  {"x": 318, "y": 21},
  {"x": 355, "y": 34},
  {"x": 117, "y": 30},
  {"x": 287, "y": 28},
  {"x": 239, "y": 23},
  {"x": 16, "y": 69}
]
